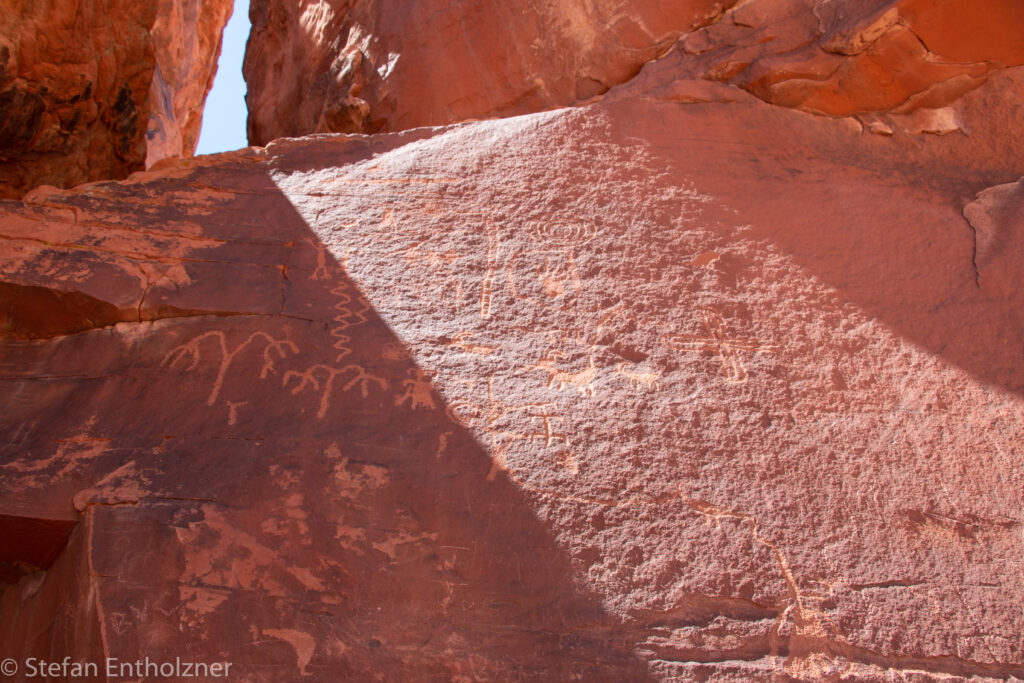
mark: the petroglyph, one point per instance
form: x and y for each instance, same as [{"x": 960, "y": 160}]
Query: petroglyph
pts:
[
  {"x": 562, "y": 233},
  {"x": 418, "y": 390},
  {"x": 352, "y": 309},
  {"x": 549, "y": 423},
  {"x": 559, "y": 377},
  {"x": 233, "y": 410},
  {"x": 321, "y": 272},
  {"x": 487, "y": 285},
  {"x": 639, "y": 380},
  {"x": 548, "y": 276},
  {"x": 193, "y": 351},
  {"x": 441, "y": 264},
  {"x": 394, "y": 351},
  {"x": 460, "y": 342},
  {"x": 463, "y": 413},
  {"x": 309, "y": 378},
  {"x": 727, "y": 348}
]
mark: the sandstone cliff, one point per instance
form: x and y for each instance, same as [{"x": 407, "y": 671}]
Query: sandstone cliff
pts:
[
  {"x": 92, "y": 90},
  {"x": 680, "y": 385}
]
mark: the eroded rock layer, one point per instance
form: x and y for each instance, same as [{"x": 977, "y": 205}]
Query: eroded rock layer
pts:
[
  {"x": 319, "y": 66},
  {"x": 368, "y": 67},
  {"x": 92, "y": 90},
  {"x": 676, "y": 386}
]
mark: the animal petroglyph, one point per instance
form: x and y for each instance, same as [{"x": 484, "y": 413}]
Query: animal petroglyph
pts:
[
  {"x": 639, "y": 380},
  {"x": 559, "y": 377},
  {"x": 193, "y": 350},
  {"x": 460, "y": 342},
  {"x": 418, "y": 390},
  {"x": 311, "y": 378},
  {"x": 720, "y": 342}
]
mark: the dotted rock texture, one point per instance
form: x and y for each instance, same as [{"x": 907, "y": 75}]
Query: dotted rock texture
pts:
[
  {"x": 95, "y": 90},
  {"x": 679, "y": 385}
]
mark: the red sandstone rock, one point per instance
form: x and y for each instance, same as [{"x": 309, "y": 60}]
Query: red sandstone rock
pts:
[
  {"x": 338, "y": 66},
  {"x": 676, "y": 386},
  {"x": 187, "y": 38},
  {"x": 848, "y": 57},
  {"x": 79, "y": 82}
]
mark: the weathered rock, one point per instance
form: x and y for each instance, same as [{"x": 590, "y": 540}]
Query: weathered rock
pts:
[
  {"x": 187, "y": 38},
  {"x": 844, "y": 57},
  {"x": 77, "y": 86},
  {"x": 679, "y": 386},
  {"x": 337, "y": 66},
  {"x": 369, "y": 67}
]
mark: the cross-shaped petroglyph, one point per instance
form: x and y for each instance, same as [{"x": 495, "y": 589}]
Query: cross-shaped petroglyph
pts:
[
  {"x": 719, "y": 341},
  {"x": 193, "y": 350},
  {"x": 418, "y": 390},
  {"x": 309, "y": 378},
  {"x": 547, "y": 428}
]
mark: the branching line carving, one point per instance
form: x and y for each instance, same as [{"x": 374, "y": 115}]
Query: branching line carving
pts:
[
  {"x": 192, "y": 351},
  {"x": 310, "y": 378}
]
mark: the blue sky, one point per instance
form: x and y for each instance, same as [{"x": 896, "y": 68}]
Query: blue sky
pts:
[{"x": 224, "y": 114}]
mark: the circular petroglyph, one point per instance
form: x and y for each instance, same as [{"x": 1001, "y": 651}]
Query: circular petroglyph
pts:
[{"x": 562, "y": 233}]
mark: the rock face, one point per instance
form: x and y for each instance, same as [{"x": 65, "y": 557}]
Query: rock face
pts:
[
  {"x": 81, "y": 82},
  {"x": 186, "y": 37},
  {"x": 359, "y": 67},
  {"x": 679, "y": 385},
  {"x": 578, "y": 394},
  {"x": 336, "y": 66}
]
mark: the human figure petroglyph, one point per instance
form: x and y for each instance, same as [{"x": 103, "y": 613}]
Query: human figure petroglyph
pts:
[
  {"x": 321, "y": 272},
  {"x": 721, "y": 343},
  {"x": 193, "y": 350},
  {"x": 548, "y": 275},
  {"x": 418, "y": 390},
  {"x": 639, "y": 380},
  {"x": 559, "y": 377},
  {"x": 309, "y": 378}
]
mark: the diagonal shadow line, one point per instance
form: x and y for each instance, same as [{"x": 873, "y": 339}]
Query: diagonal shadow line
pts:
[{"x": 287, "y": 532}]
